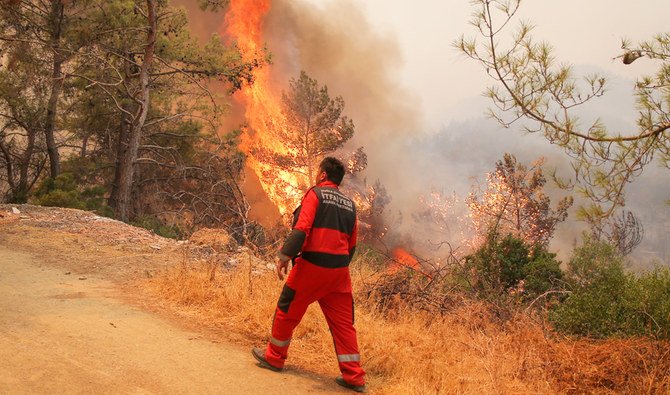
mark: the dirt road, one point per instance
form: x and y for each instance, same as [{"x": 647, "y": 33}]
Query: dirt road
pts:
[{"x": 67, "y": 332}]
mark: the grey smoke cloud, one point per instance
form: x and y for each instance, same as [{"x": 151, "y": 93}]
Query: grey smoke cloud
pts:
[{"x": 335, "y": 43}]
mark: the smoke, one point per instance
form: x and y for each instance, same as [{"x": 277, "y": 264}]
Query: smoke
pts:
[{"x": 335, "y": 44}]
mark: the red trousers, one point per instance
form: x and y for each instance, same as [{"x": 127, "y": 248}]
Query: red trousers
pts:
[{"x": 308, "y": 283}]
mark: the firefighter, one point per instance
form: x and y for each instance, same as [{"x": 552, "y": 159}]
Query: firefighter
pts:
[{"x": 321, "y": 245}]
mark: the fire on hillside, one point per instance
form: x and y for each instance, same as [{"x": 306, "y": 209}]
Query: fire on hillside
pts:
[
  {"x": 263, "y": 116},
  {"x": 261, "y": 100}
]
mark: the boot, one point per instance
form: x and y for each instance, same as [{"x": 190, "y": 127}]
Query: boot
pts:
[
  {"x": 357, "y": 388},
  {"x": 262, "y": 362}
]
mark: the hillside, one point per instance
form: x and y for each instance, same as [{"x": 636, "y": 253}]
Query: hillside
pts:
[{"x": 89, "y": 304}]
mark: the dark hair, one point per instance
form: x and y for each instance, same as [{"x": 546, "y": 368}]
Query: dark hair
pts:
[{"x": 334, "y": 169}]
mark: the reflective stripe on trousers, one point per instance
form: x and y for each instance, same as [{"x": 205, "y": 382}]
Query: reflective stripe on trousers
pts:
[
  {"x": 349, "y": 358},
  {"x": 280, "y": 343}
]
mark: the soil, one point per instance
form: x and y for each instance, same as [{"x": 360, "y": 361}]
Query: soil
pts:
[{"x": 72, "y": 321}]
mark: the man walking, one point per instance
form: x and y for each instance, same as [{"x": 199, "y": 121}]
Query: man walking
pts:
[{"x": 322, "y": 243}]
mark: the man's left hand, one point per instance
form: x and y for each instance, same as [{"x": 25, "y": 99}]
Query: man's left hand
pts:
[{"x": 282, "y": 266}]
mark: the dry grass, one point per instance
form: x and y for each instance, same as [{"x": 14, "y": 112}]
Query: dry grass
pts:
[{"x": 405, "y": 351}]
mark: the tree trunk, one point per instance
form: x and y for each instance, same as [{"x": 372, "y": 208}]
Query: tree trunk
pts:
[
  {"x": 56, "y": 87},
  {"x": 127, "y": 163},
  {"x": 122, "y": 141},
  {"x": 121, "y": 152},
  {"x": 19, "y": 193},
  {"x": 9, "y": 166},
  {"x": 9, "y": 169}
]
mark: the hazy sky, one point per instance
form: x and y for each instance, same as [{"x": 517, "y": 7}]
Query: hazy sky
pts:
[{"x": 583, "y": 32}]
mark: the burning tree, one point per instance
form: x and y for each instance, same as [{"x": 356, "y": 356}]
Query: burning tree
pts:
[
  {"x": 284, "y": 135},
  {"x": 357, "y": 161},
  {"x": 314, "y": 127},
  {"x": 371, "y": 201},
  {"x": 514, "y": 202},
  {"x": 438, "y": 210}
]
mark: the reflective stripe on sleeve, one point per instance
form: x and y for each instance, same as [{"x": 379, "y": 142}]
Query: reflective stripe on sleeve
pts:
[
  {"x": 280, "y": 343},
  {"x": 349, "y": 358}
]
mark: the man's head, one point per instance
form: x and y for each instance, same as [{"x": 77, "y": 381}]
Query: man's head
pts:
[{"x": 331, "y": 169}]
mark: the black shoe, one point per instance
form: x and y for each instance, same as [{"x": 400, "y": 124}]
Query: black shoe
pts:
[
  {"x": 262, "y": 362},
  {"x": 358, "y": 388}
]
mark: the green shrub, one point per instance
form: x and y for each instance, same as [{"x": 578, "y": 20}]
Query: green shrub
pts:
[
  {"x": 64, "y": 192},
  {"x": 649, "y": 301},
  {"x": 497, "y": 265},
  {"x": 507, "y": 266},
  {"x": 61, "y": 198},
  {"x": 542, "y": 273},
  {"x": 597, "y": 280},
  {"x": 606, "y": 301}
]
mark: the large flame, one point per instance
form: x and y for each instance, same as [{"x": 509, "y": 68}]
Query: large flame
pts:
[{"x": 261, "y": 100}]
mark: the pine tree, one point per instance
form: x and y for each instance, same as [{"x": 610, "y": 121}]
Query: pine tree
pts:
[
  {"x": 533, "y": 86},
  {"x": 314, "y": 127}
]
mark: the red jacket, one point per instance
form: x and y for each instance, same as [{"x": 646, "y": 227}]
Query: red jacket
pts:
[{"x": 325, "y": 229}]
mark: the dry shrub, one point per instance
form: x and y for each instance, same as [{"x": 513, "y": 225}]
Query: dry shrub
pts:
[
  {"x": 236, "y": 299},
  {"x": 636, "y": 366},
  {"x": 465, "y": 349},
  {"x": 218, "y": 239},
  {"x": 387, "y": 291}
]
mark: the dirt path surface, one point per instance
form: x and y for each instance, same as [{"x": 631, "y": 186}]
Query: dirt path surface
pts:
[{"x": 65, "y": 328}]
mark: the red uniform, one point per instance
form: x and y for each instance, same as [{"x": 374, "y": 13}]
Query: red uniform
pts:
[{"x": 325, "y": 236}]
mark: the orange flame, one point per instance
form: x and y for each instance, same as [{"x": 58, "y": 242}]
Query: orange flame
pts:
[
  {"x": 403, "y": 259},
  {"x": 263, "y": 113}
]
